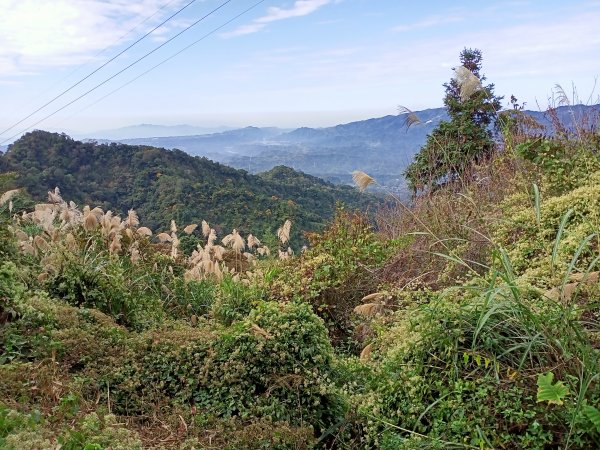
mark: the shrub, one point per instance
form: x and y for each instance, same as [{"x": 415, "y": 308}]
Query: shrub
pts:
[
  {"x": 336, "y": 271},
  {"x": 274, "y": 363},
  {"x": 462, "y": 370},
  {"x": 531, "y": 245},
  {"x": 94, "y": 279}
]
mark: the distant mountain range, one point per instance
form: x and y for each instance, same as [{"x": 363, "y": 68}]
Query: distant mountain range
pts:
[
  {"x": 149, "y": 130},
  {"x": 382, "y": 147}
]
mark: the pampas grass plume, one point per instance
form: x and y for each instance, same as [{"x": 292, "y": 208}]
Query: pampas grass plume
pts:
[
  {"x": 132, "y": 219},
  {"x": 283, "y": 233},
  {"x": 362, "y": 180},
  {"x": 369, "y": 309},
  {"x": 365, "y": 355},
  {"x": 8, "y": 195},
  {"x": 144, "y": 231},
  {"x": 164, "y": 237},
  {"x": 54, "y": 197},
  {"x": 190, "y": 228},
  {"x": 468, "y": 82},
  {"x": 90, "y": 222},
  {"x": 205, "y": 228}
]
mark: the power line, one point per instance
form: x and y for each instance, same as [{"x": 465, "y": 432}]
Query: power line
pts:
[
  {"x": 122, "y": 70},
  {"x": 169, "y": 58},
  {"x": 114, "y": 43},
  {"x": 92, "y": 73}
]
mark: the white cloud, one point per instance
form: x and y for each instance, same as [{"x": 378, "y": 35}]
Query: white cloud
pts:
[
  {"x": 275, "y": 13},
  {"x": 40, "y": 33},
  {"x": 429, "y": 22}
]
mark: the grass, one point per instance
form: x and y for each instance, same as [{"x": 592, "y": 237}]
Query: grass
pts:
[{"x": 431, "y": 330}]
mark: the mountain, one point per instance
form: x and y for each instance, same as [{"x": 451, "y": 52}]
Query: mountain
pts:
[
  {"x": 150, "y": 130},
  {"x": 163, "y": 184},
  {"x": 382, "y": 147},
  {"x": 236, "y": 142}
]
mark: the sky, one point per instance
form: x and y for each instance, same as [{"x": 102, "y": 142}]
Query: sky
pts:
[{"x": 285, "y": 63}]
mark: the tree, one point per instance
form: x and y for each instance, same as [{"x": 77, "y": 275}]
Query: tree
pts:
[{"x": 467, "y": 137}]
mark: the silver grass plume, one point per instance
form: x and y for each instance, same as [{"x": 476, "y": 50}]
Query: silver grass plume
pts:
[
  {"x": 362, "y": 180},
  {"x": 144, "y": 231},
  {"x": 283, "y": 233},
  {"x": 467, "y": 81},
  {"x": 190, "y": 228},
  {"x": 252, "y": 241},
  {"x": 132, "y": 219},
  {"x": 205, "y": 228},
  {"x": 164, "y": 237},
  {"x": 212, "y": 237},
  {"x": 8, "y": 195},
  {"x": 54, "y": 197},
  {"x": 411, "y": 118}
]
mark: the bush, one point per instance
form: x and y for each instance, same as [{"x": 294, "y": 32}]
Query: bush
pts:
[
  {"x": 274, "y": 363},
  {"x": 336, "y": 272},
  {"x": 462, "y": 369},
  {"x": 531, "y": 245}
]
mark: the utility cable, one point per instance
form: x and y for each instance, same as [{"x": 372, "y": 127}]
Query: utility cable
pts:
[
  {"x": 120, "y": 71},
  {"x": 102, "y": 66},
  {"x": 167, "y": 59},
  {"x": 113, "y": 44}
]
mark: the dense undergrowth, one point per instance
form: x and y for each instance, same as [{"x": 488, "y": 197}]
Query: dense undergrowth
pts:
[{"x": 468, "y": 320}]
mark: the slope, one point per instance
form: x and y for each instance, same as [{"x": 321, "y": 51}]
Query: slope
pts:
[{"x": 162, "y": 184}]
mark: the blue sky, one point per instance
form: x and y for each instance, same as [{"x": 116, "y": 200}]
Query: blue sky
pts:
[{"x": 286, "y": 63}]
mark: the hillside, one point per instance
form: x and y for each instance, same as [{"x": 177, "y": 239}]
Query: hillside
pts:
[
  {"x": 469, "y": 319},
  {"x": 380, "y": 146},
  {"x": 162, "y": 184}
]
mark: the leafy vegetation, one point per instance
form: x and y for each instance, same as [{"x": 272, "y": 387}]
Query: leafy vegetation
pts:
[
  {"x": 162, "y": 185},
  {"x": 467, "y": 319}
]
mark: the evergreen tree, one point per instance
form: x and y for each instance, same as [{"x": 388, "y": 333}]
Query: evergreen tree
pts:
[{"x": 467, "y": 137}]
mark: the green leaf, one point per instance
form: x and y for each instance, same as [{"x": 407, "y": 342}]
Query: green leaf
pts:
[
  {"x": 551, "y": 393},
  {"x": 593, "y": 414}
]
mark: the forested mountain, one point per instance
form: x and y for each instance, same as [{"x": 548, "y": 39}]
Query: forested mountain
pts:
[
  {"x": 162, "y": 184},
  {"x": 382, "y": 146}
]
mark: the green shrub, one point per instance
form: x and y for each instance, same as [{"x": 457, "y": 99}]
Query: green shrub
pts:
[
  {"x": 565, "y": 164},
  {"x": 461, "y": 370},
  {"x": 274, "y": 363},
  {"x": 530, "y": 246},
  {"x": 94, "y": 279},
  {"x": 335, "y": 272}
]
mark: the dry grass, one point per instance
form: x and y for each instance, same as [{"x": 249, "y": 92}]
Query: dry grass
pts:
[
  {"x": 283, "y": 233},
  {"x": 362, "y": 180},
  {"x": 454, "y": 219}
]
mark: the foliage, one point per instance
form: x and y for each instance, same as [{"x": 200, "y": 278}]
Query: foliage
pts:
[
  {"x": 532, "y": 248},
  {"x": 162, "y": 184},
  {"x": 551, "y": 393},
  {"x": 336, "y": 271},
  {"x": 453, "y": 145},
  {"x": 564, "y": 164},
  {"x": 274, "y": 363}
]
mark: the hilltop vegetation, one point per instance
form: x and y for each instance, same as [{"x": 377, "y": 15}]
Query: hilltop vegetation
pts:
[
  {"x": 162, "y": 185},
  {"x": 468, "y": 319}
]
